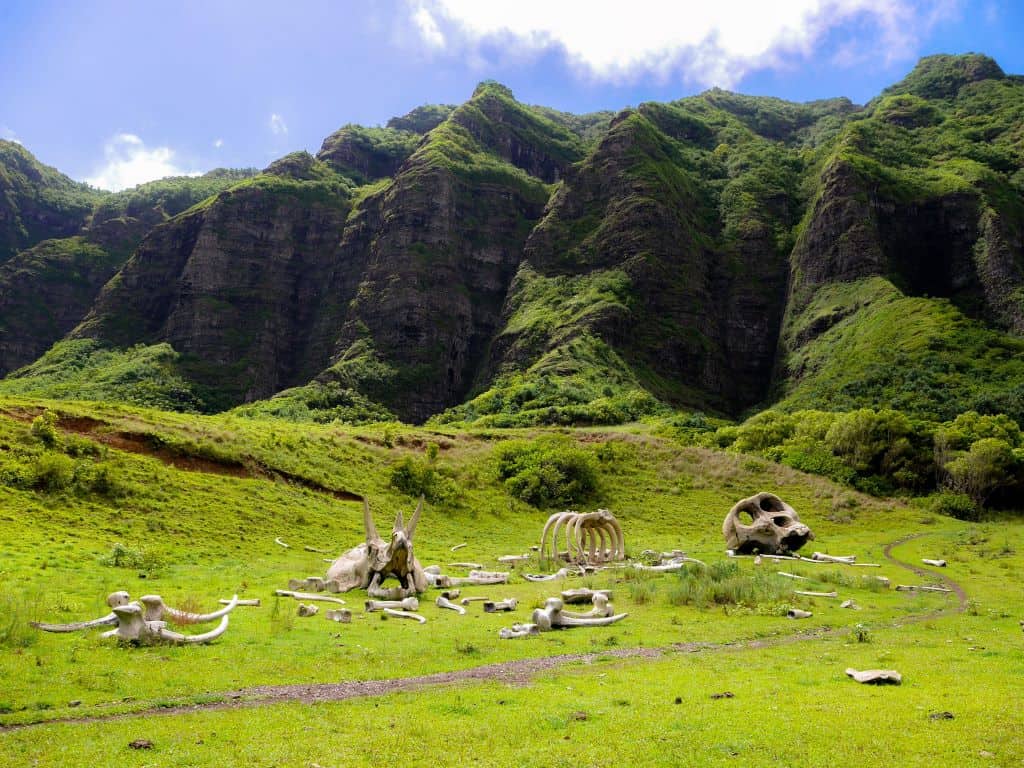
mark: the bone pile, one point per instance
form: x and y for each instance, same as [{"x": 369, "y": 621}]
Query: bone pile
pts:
[{"x": 590, "y": 538}]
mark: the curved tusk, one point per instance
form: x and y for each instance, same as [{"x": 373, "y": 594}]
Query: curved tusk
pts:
[
  {"x": 411, "y": 528},
  {"x": 184, "y": 617},
  {"x": 177, "y": 637},
  {"x": 281, "y": 543},
  {"x": 371, "y": 529},
  {"x": 571, "y": 621},
  {"x": 110, "y": 618}
]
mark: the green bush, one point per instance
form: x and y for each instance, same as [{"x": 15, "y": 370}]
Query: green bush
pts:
[
  {"x": 988, "y": 465},
  {"x": 44, "y": 427},
  {"x": 956, "y": 505},
  {"x": 547, "y": 472},
  {"x": 54, "y": 471},
  {"x": 419, "y": 478}
]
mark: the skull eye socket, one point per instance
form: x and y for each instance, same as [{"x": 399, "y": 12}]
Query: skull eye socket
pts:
[
  {"x": 781, "y": 520},
  {"x": 768, "y": 504}
]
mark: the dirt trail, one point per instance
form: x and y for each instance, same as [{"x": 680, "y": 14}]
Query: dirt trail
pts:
[
  {"x": 148, "y": 444},
  {"x": 511, "y": 672}
]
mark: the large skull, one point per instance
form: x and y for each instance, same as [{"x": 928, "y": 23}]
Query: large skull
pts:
[{"x": 773, "y": 528}]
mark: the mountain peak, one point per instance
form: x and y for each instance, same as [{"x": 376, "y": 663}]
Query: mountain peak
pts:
[{"x": 943, "y": 75}]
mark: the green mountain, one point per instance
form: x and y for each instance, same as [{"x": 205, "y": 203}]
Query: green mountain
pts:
[{"x": 505, "y": 264}]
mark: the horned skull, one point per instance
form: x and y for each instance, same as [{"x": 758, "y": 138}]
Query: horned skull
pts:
[
  {"x": 367, "y": 565},
  {"x": 774, "y": 526}
]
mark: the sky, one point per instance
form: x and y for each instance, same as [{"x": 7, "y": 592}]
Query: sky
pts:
[{"x": 116, "y": 93}]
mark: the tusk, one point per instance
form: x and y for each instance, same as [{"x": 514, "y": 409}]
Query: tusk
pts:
[
  {"x": 411, "y": 528},
  {"x": 371, "y": 529},
  {"x": 308, "y": 596},
  {"x": 403, "y": 615},
  {"x": 444, "y": 602},
  {"x": 280, "y": 543},
  {"x": 183, "y": 617},
  {"x": 110, "y": 618},
  {"x": 176, "y": 637},
  {"x": 458, "y": 546}
]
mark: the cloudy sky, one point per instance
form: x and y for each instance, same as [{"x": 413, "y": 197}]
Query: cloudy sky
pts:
[{"x": 116, "y": 93}]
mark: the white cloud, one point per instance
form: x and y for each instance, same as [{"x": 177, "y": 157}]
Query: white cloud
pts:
[
  {"x": 129, "y": 162},
  {"x": 9, "y": 134},
  {"x": 218, "y": 143},
  {"x": 428, "y": 28},
  {"x": 707, "y": 43},
  {"x": 277, "y": 125}
]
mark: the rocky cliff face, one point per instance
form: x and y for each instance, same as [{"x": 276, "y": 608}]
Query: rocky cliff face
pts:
[{"x": 518, "y": 265}]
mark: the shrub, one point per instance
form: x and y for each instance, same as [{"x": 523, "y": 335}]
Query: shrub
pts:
[
  {"x": 54, "y": 471},
  {"x": 546, "y": 472},
  {"x": 44, "y": 428},
  {"x": 988, "y": 465},
  {"x": 414, "y": 477},
  {"x": 958, "y": 505}
]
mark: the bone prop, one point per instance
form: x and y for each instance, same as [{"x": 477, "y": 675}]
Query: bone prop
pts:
[
  {"x": 583, "y": 595},
  {"x": 307, "y": 610},
  {"x": 110, "y": 618},
  {"x": 513, "y": 558},
  {"x": 508, "y": 604},
  {"x": 602, "y": 608},
  {"x": 156, "y": 609},
  {"x": 551, "y": 617},
  {"x": 254, "y": 602},
  {"x": 340, "y": 615},
  {"x": 473, "y": 566},
  {"x": 936, "y": 563},
  {"x": 815, "y": 594},
  {"x": 792, "y": 576},
  {"x": 308, "y": 596},
  {"x": 876, "y": 676},
  {"x": 468, "y": 600},
  {"x": 457, "y": 547},
  {"x": 823, "y": 558},
  {"x": 407, "y": 604},
  {"x": 849, "y": 604},
  {"x": 519, "y": 630},
  {"x": 561, "y": 573},
  {"x": 175, "y": 637},
  {"x": 451, "y": 594},
  {"x": 311, "y": 583},
  {"x": 402, "y": 615},
  {"x": 913, "y": 588},
  {"x": 280, "y": 543},
  {"x": 796, "y": 613},
  {"x": 444, "y": 602}
]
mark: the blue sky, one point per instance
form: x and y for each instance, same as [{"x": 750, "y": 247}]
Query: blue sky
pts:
[{"x": 120, "y": 92}]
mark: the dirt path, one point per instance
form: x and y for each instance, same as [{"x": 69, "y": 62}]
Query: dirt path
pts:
[{"x": 511, "y": 672}]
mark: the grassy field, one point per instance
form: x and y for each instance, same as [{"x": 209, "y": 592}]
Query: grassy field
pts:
[{"x": 196, "y": 502}]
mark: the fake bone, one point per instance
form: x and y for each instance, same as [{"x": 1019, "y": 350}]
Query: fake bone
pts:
[
  {"x": 551, "y": 616},
  {"x": 513, "y": 558},
  {"x": 796, "y": 613},
  {"x": 602, "y": 608},
  {"x": 307, "y": 610},
  {"x": 589, "y": 537},
  {"x": 519, "y": 630},
  {"x": 406, "y": 604},
  {"x": 308, "y": 596},
  {"x": 402, "y": 615},
  {"x": 133, "y": 628},
  {"x": 914, "y": 588},
  {"x": 468, "y": 600},
  {"x": 792, "y": 576},
  {"x": 935, "y": 563},
  {"x": 561, "y": 573},
  {"x": 451, "y": 594},
  {"x": 280, "y": 543},
  {"x": 255, "y": 602},
  {"x": 876, "y": 676},
  {"x": 583, "y": 595},
  {"x": 114, "y": 599},
  {"x": 311, "y": 583},
  {"x": 474, "y": 578},
  {"x": 774, "y": 527},
  {"x": 444, "y": 602},
  {"x": 156, "y": 609},
  {"x": 340, "y": 615},
  {"x": 458, "y": 547},
  {"x": 823, "y": 558},
  {"x": 508, "y": 604},
  {"x": 471, "y": 566},
  {"x": 669, "y": 567}
]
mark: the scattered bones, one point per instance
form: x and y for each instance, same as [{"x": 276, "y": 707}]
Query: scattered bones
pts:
[
  {"x": 406, "y": 604},
  {"x": 551, "y": 616},
  {"x": 308, "y": 610},
  {"x": 590, "y": 537},
  {"x": 402, "y": 615},
  {"x": 583, "y": 595},
  {"x": 508, "y": 604},
  {"x": 774, "y": 527},
  {"x": 444, "y": 602},
  {"x": 519, "y": 630}
]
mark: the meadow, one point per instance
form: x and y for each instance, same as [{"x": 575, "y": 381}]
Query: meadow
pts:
[{"x": 98, "y": 497}]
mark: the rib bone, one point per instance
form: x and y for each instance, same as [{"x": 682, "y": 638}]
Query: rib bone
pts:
[
  {"x": 403, "y": 615},
  {"x": 308, "y": 596}
]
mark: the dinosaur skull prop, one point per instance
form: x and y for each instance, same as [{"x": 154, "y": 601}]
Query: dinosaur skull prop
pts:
[
  {"x": 774, "y": 527},
  {"x": 369, "y": 564}
]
